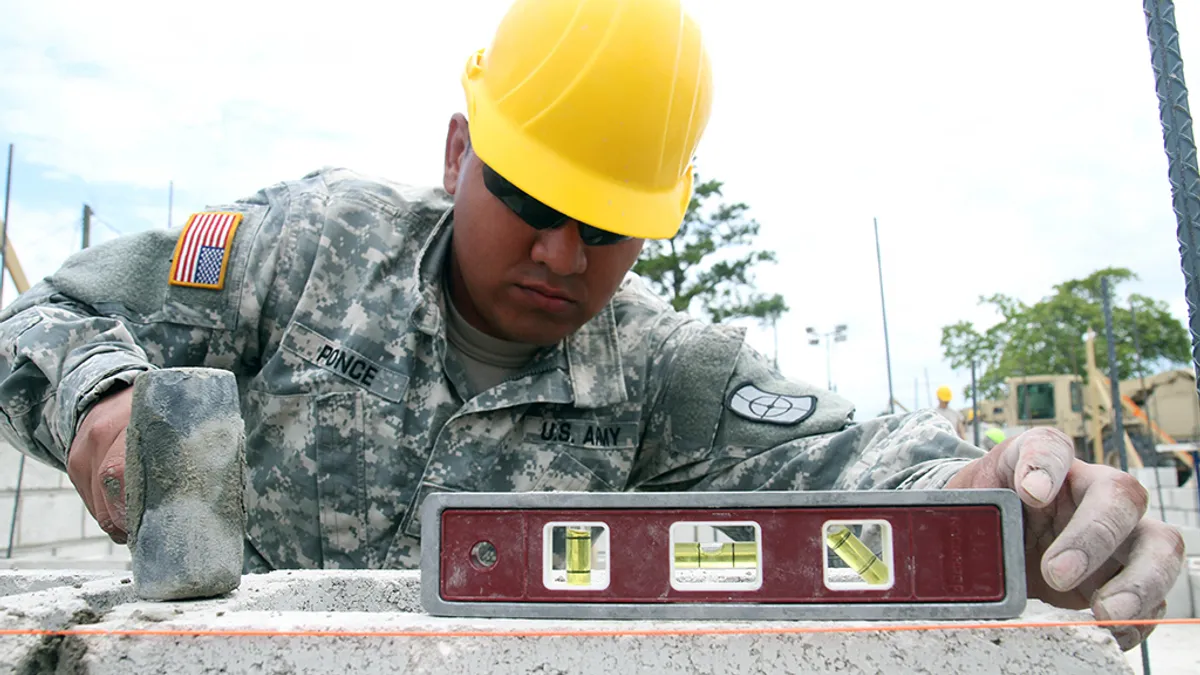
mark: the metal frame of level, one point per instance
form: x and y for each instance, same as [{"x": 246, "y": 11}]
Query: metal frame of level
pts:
[{"x": 1011, "y": 606}]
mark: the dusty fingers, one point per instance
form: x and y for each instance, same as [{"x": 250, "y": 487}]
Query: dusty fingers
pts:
[
  {"x": 1036, "y": 464},
  {"x": 96, "y": 462},
  {"x": 1110, "y": 505},
  {"x": 1138, "y": 592}
]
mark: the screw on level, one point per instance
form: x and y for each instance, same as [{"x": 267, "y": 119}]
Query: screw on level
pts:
[
  {"x": 856, "y": 554},
  {"x": 579, "y": 557}
]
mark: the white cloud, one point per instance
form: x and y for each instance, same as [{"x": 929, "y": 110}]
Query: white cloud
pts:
[
  {"x": 40, "y": 241},
  {"x": 1004, "y": 147}
]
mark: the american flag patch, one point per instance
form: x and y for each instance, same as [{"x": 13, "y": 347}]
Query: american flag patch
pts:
[{"x": 202, "y": 253}]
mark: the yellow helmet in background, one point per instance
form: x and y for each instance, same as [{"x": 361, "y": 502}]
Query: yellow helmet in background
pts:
[
  {"x": 595, "y": 108},
  {"x": 943, "y": 394}
]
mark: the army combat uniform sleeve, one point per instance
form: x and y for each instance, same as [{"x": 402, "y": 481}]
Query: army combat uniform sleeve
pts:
[
  {"x": 120, "y": 308},
  {"x": 724, "y": 419}
]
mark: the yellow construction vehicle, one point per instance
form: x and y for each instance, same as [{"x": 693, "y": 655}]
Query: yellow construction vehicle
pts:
[{"x": 1082, "y": 408}]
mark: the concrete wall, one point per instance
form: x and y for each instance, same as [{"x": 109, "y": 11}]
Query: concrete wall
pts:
[
  {"x": 388, "y": 602},
  {"x": 53, "y": 527},
  {"x": 1175, "y": 504}
]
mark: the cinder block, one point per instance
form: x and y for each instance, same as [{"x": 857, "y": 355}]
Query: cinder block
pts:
[
  {"x": 35, "y": 475},
  {"x": 91, "y": 528},
  {"x": 1181, "y": 518},
  {"x": 1181, "y": 498},
  {"x": 1144, "y": 476},
  {"x": 15, "y": 581},
  {"x": 46, "y": 517},
  {"x": 45, "y": 562},
  {"x": 1192, "y": 570},
  {"x": 383, "y": 603},
  {"x": 1179, "y": 599},
  {"x": 1152, "y": 478},
  {"x": 1191, "y": 541},
  {"x": 85, "y": 549},
  {"x": 6, "y": 506}
]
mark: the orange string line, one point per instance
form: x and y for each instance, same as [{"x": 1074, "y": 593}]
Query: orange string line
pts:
[{"x": 649, "y": 632}]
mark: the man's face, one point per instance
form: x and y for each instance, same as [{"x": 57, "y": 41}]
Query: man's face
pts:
[{"x": 515, "y": 282}]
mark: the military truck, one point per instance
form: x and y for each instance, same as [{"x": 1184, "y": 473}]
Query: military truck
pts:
[{"x": 1082, "y": 409}]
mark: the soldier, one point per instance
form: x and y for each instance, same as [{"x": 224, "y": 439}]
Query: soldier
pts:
[
  {"x": 952, "y": 416},
  {"x": 391, "y": 342}
]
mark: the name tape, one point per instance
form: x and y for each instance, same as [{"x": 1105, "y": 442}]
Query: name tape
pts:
[{"x": 347, "y": 363}]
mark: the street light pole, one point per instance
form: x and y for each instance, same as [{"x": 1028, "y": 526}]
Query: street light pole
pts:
[
  {"x": 829, "y": 364},
  {"x": 815, "y": 337}
]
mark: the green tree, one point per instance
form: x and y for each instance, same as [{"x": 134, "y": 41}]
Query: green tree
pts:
[
  {"x": 1049, "y": 336},
  {"x": 710, "y": 261}
]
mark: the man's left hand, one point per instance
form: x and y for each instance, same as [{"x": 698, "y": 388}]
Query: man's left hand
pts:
[{"x": 1087, "y": 543}]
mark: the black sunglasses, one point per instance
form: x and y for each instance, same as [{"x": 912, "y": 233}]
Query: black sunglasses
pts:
[{"x": 539, "y": 216}]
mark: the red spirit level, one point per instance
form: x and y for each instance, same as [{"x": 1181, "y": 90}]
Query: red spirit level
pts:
[{"x": 944, "y": 554}]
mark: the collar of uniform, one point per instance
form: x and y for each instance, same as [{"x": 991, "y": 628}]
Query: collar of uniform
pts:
[
  {"x": 591, "y": 356},
  {"x": 427, "y": 313},
  {"x": 594, "y": 362}
]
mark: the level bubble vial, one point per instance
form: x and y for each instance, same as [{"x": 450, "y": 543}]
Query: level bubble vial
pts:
[
  {"x": 858, "y": 555},
  {"x": 714, "y": 556},
  {"x": 575, "y": 556}
]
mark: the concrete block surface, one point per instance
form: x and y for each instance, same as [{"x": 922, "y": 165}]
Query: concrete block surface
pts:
[
  {"x": 1179, "y": 599},
  {"x": 371, "y": 622},
  {"x": 1180, "y": 518},
  {"x": 1192, "y": 570},
  {"x": 1181, "y": 498},
  {"x": 1155, "y": 477},
  {"x": 50, "y": 516},
  {"x": 17, "y": 582},
  {"x": 35, "y": 476},
  {"x": 1191, "y": 539}
]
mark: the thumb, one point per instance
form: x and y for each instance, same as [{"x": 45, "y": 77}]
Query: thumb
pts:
[{"x": 1036, "y": 465}]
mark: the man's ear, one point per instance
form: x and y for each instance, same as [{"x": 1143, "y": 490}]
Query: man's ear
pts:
[{"x": 458, "y": 146}]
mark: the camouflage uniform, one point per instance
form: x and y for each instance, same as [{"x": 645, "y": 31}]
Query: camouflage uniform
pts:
[{"x": 332, "y": 317}]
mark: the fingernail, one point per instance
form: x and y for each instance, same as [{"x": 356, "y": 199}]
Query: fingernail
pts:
[
  {"x": 1123, "y": 605},
  {"x": 1038, "y": 484},
  {"x": 1065, "y": 568},
  {"x": 1127, "y": 637}
]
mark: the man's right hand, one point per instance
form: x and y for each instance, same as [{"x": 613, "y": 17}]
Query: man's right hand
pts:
[{"x": 96, "y": 461}]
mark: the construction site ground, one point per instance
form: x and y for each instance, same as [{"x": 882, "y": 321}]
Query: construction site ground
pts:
[{"x": 1173, "y": 649}]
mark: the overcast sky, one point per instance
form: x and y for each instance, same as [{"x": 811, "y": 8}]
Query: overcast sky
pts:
[{"x": 1003, "y": 146}]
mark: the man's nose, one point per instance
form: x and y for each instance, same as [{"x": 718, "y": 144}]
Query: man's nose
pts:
[{"x": 561, "y": 250}]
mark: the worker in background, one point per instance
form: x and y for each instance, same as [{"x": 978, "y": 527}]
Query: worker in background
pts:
[
  {"x": 990, "y": 435},
  {"x": 393, "y": 341},
  {"x": 953, "y": 416}
]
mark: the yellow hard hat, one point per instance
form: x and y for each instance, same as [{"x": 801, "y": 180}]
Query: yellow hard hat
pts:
[
  {"x": 944, "y": 394},
  {"x": 595, "y": 108}
]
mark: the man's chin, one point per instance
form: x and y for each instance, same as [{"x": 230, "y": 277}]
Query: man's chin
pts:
[{"x": 539, "y": 331}]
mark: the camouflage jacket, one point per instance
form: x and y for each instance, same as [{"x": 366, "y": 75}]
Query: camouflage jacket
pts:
[{"x": 331, "y": 314}]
